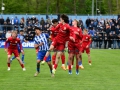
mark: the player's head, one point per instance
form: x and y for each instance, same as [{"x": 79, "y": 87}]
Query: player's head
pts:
[
  {"x": 21, "y": 32},
  {"x": 75, "y": 23},
  {"x": 85, "y": 31},
  {"x": 14, "y": 34},
  {"x": 55, "y": 22},
  {"x": 38, "y": 30},
  {"x": 64, "y": 18}
]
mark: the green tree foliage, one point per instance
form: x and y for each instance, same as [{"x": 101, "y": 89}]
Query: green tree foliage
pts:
[{"x": 60, "y": 6}]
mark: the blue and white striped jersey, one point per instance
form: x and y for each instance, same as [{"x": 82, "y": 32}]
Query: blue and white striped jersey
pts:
[
  {"x": 42, "y": 38},
  {"x": 21, "y": 37}
]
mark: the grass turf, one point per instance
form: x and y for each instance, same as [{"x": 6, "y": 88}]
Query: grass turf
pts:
[{"x": 104, "y": 74}]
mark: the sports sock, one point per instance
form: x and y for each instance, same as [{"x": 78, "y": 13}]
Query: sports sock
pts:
[
  {"x": 13, "y": 58},
  {"x": 80, "y": 62},
  {"x": 55, "y": 66},
  {"x": 8, "y": 64},
  {"x": 22, "y": 58},
  {"x": 50, "y": 66},
  {"x": 22, "y": 65},
  {"x": 53, "y": 59},
  {"x": 63, "y": 59},
  {"x": 77, "y": 68},
  {"x": 38, "y": 67}
]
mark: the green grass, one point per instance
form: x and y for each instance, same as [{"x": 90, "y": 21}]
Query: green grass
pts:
[{"x": 104, "y": 74}]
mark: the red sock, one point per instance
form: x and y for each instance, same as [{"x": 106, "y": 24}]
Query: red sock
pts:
[
  {"x": 77, "y": 67},
  {"x": 69, "y": 67},
  {"x": 45, "y": 58},
  {"x": 53, "y": 59},
  {"x": 63, "y": 59},
  {"x": 55, "y": 66},
  {"x": 8, "y": 64},
  {"x": 22, "y": 65}
]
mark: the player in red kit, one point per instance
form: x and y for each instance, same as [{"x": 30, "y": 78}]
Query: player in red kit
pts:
[
  {"x": 60, "y": 40},
  {"x": 11, "y": 46},
  {"x": 74, "y": 47},
  {"x": 86, "y": 41},
  {"x": 52, "y": 36}
]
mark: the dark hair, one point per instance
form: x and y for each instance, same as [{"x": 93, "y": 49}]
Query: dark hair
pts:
[
  {"x": 65, "y": 18},
  {"x": 21, "y": 30},
  {"x": 54, "y": 21},
  {"x": 38, "y": 28}
]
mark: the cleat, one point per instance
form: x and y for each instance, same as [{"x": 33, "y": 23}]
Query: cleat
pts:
[
  {"x": 90, "y": 64},
  {"x": 81, "y": 67},
  {"x": 43, "y": 62},
  {"x": 63, "y": 67},
  {"x": 36, "y": 74},
  {"x": 70, "y": 72},
  {"x": 8, "y": 69},
  {"x": 24, "y": 69},
  {"x": 53, "y": 71},
  {"x": 52, "y": 75},
  {"x": 77, "y": 73}
]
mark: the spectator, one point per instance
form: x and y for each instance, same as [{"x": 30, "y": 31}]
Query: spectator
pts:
[
  {"x": 42, "y": 22},
  {"x": 88, "y": 21},
  {"x": 114, "y": 40},
  {"x": 12, "y": 21},
  {"x": 105, "y": 41},
  {"x": 118, "y": 40},
  {"x": 8, "y": 34},
  {"x": 100, "y": 39},
  {"x": 110, "y": 37},
  {"x": 21, "y": 25},
  {"x": 7, "y": 20}
]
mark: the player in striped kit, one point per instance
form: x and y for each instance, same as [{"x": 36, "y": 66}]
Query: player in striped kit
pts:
[{"x": 41, "y": 41}]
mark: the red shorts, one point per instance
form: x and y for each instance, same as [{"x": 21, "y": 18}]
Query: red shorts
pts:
[
  {"x": 58, "y": 46},
  {"x": 83, "y": 48},
  {"x": 74, "y": 47},
  {"x": 14, "y": 51}
]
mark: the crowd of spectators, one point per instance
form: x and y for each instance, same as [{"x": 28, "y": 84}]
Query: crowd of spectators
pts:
[{"x": 104, "y": 32}]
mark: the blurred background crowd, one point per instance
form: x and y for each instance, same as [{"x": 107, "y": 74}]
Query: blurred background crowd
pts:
[{"x": 105, "y": 33}]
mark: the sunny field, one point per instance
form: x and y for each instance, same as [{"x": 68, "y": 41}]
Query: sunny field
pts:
[{"x": 104, "y": 74}]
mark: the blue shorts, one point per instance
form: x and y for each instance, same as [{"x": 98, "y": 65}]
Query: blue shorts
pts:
[
  {"x": 41, "y": 55},
  {"x": 19, "y": 51}
]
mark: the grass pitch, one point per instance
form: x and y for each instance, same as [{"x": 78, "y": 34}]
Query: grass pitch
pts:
[{"x": 104, "y": 74}]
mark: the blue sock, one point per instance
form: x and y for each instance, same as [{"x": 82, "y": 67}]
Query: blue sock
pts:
[
  {"x": 51, "y": 71},
  {"x": 80, "y": 62},
  {"x": 38, "y": 67},
  {"x": 23, "y": 58},
  {"x": 13, "y": 58},
  {"x": 77, "y": 71},
  {"x": 70, "y": 71}
]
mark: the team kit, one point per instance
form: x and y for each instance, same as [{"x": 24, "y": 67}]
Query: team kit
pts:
[{"x": 77, "y": 40}]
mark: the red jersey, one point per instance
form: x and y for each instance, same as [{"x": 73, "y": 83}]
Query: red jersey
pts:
[
  {"x": 13, "y": 43},
  {"x": 64, "y": 31},
  {"x": 78, "y": 37},
  {"x": 86, "y": 40},
  {"x": 53, "y": 32}
]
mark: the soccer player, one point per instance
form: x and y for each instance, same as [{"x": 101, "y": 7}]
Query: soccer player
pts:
[
  {"x": 22, "y": 39},
  {"x": 86, "y": 41},
  {"x": 40, "y": 41},
  {"x": 60, "y": 39},
  {"x": 74, "y": 47},
  {"x": 53, "y": 35},
  {"x": 11, "y": 46}
]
